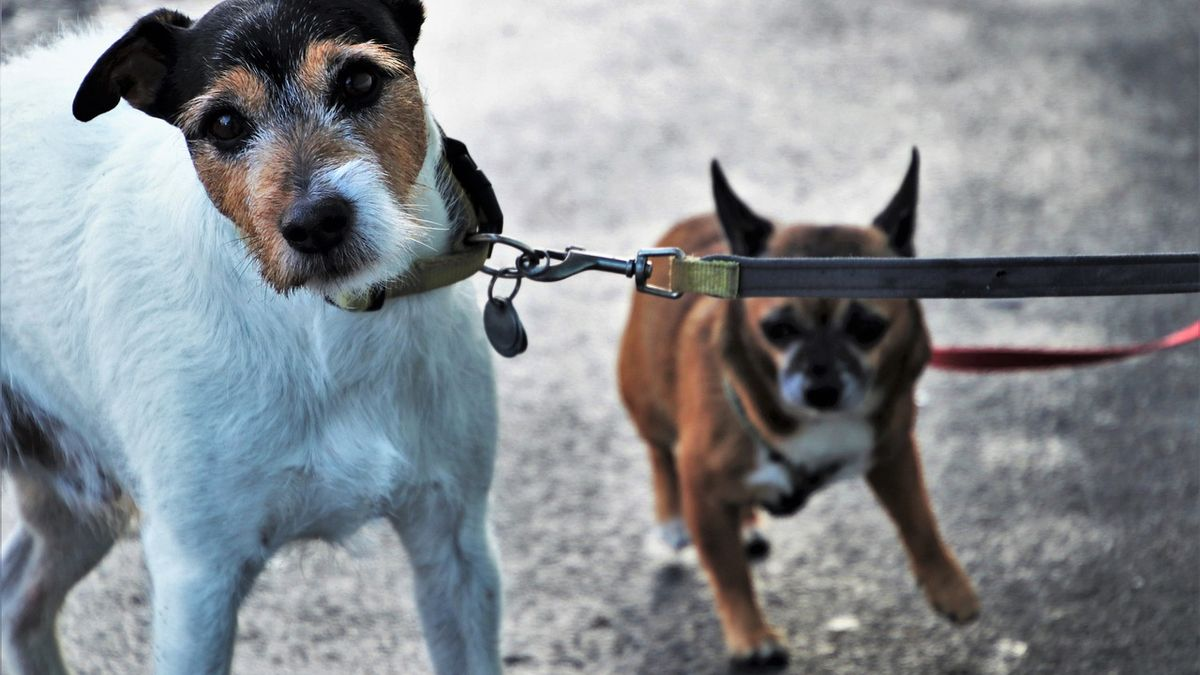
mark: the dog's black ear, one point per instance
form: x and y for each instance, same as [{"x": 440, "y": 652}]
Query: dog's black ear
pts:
[
  {"x": 409, "y": 15},
  {"x": 899, "y": 219},
  {"x": 746, "y": 231},
  {"x": 134, "y": 68}
]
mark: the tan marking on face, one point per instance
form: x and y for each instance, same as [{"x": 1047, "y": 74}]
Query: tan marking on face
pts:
[
  {"x": 238, "y": 85},
  {"x": 313, "y": 73},
  {"x": 396, "y": 133}
]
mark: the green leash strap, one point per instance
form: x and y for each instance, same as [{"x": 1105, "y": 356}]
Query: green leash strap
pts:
[{"x": 718, "y": 278}]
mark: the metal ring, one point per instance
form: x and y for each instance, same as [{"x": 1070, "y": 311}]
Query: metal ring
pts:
[
  {"x": 491, "y": 238},
  {"x": 516, "y": 287},
  {"x": 534, "y": 269},
  {"x": 502, "y": 273}
]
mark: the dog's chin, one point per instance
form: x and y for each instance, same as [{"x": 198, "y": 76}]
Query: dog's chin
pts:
[
  {"x": 329, "y": 276},
  {"x": 351, "y": 268}
]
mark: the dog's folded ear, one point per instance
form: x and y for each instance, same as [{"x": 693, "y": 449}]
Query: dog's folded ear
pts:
[
  {"x": 134, "y": 68},
  {"x": 746, "y": 231},
  {"x": 899, "y": 219},
  {"x": 409, "y": 15}
]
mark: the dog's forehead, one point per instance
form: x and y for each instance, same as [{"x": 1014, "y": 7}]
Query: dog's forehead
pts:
[
  {"x": 273, "y": 36},
  {"x": 830, "y": 241}
]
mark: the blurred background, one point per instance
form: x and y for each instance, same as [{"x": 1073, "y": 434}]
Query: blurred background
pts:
[{"x": 1071, "y": 497}]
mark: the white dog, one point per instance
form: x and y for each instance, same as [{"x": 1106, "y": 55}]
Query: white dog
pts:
[{"x": 165, "y": 344}]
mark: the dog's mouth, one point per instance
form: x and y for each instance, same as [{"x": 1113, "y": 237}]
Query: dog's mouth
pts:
[
  {"x": 333, "y": 267},
  {"x": 353, "y": 267}
]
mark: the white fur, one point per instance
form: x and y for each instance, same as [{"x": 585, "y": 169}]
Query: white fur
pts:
[
  {"x": 825, "y": 439},
  {"x": 235, "y": 418},
  {"x": 672, "y": 533},
  {"x": 769, "y": 480}
]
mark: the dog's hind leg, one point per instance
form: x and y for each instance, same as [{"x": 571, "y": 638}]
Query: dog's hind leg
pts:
[
  {"x": 51, "y": 549},
  {"x": 456, "y": 579}
]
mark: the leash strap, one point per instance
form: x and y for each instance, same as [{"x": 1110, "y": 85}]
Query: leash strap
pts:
[
  {"x": 728, "y": 277},
  {"x": 996, "y": 359}
]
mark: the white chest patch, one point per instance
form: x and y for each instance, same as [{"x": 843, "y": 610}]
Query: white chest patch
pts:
[
  {"x": 823, "y": 443},
  {"x": 844, "y": 440}
]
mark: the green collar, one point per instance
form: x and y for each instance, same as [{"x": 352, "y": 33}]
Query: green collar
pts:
[
  {"x": 425, "y": 275},
  {"x": 472, "y": 207},
  {"x": 739, "y": 411}
]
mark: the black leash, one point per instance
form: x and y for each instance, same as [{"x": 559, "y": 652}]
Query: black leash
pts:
[
  {"x": 1016, "y": 277},
  {"x": 730, "y": 277}
]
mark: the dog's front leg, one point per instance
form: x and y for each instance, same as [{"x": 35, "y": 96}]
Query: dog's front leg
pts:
[
  {"x": 198, "y": 582},
  {"x": 456, "y": 579},
  {"x": 897, "y": 481},
  {"x": 716, "y": 529}
]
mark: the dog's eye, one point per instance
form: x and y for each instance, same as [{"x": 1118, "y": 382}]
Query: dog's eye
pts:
[
  {"x": 780, "y": 330},
  {"x": 359, "y": 85},
  {"x": 863, "y": 327},
  {"x": 227, "y": 127}
]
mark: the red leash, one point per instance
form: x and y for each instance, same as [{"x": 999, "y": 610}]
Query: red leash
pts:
[{"x": 993, "y": 359}]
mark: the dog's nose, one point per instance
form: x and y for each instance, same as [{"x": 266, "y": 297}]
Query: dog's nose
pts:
[
  {"x": 822, "y": 397},
  {"x": 317, "y": 225}
]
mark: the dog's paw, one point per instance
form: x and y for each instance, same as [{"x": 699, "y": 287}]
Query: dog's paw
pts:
[
  {"x": 757, "y": 546},
  {"x": 951, "y": 595},
  {"x": 769, "y": 654},
  {"x": 673, "y": 534}
]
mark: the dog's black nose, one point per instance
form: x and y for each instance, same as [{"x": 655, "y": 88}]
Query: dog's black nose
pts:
[
  {"x": 822, "y": 398},
  {"x": 317, "y": 225}
]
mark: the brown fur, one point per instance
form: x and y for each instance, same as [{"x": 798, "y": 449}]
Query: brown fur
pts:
[{"x": 675, "y": 355}]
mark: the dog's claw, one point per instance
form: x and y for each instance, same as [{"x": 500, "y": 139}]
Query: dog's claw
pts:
[
  {"x": 768, "y": 656},
  {"x": 954, "y": 599},
  {"x": 958, "y": 618}
]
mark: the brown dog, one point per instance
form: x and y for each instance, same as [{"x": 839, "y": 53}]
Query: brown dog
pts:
[{"x": 761, "y": 402}]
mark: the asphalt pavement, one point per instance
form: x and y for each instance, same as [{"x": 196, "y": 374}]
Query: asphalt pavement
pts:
[{"x": 1071, "y": 497}]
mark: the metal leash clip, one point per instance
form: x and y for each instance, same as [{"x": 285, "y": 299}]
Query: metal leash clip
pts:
[
  {"x": 500, "y": 319},
  {"x": 551, "y": 265}
]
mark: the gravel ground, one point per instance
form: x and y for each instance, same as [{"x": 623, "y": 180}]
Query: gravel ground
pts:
[{"x": 1072, "y": 498}]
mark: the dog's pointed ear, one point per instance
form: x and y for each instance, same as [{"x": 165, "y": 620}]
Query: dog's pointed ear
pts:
[
  {"x": 134, "y": 68},
  {"x": 409, "y": 16},
  {"x": 746, "y": 231},
  {"x": 899, "y": 219}
]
